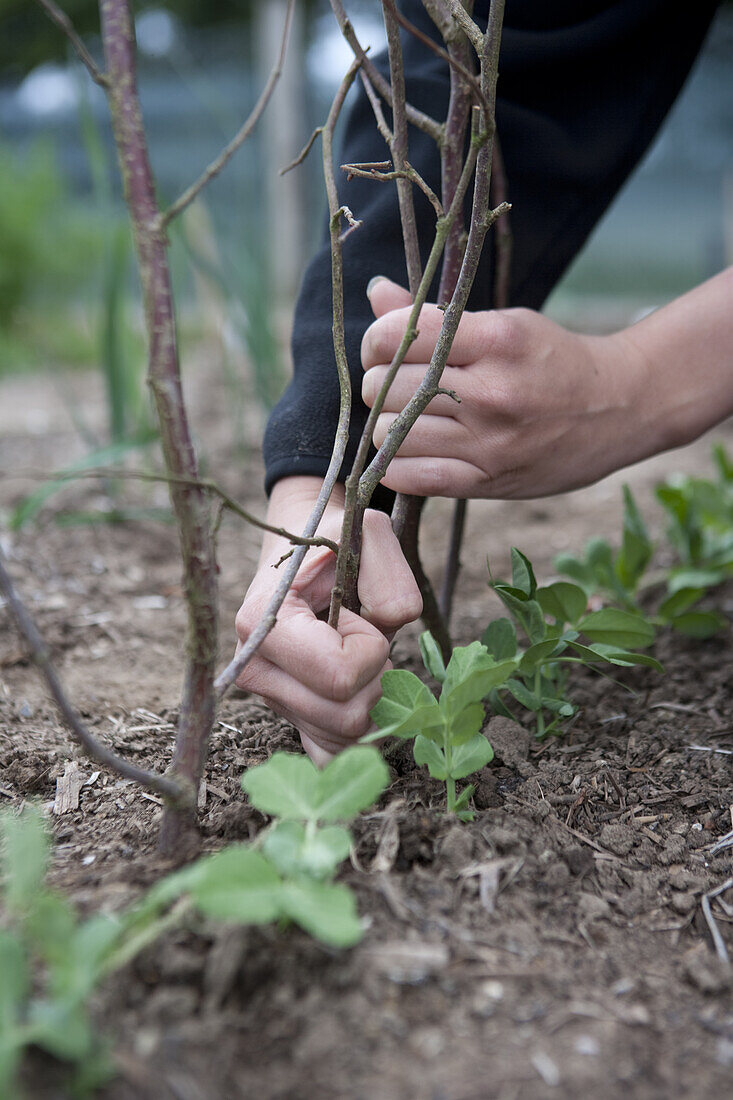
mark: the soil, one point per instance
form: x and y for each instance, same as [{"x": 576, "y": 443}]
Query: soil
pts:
[{"x": 556, "y": 946}]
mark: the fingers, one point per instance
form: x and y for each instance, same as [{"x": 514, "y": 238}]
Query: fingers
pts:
[
  {"x": 388, "y": 592},
  {"x": 406, "y": 383},
  {"x": 435, "y": 477},
  {"x": 334, "y": 663},
  {"x": 337, "y": 723},
  {"x": 429, "y": 437},
  {"x": 384, "y": 295}
]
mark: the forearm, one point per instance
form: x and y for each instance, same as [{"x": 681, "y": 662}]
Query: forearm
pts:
[{"x": 684, "y": 353}]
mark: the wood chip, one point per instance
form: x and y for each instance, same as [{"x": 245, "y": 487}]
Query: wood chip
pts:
[{"x": 68, "y": 787}]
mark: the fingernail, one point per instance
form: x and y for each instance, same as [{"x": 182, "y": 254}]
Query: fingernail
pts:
[{"x": 372, "y": 283}]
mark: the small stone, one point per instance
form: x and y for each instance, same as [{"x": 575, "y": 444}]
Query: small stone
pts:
[
  {"x": 579, "y": 860},
  {"x": 509, "y": 740},
  {"x": 705, "y": 970},
  {"x": 673, "y": 851},
  {"x": 456, "y": 848},
  {"x": 591, "y": 907},
  {"x": 619, "y": 839},
  {"x": 683, "y": 903}
]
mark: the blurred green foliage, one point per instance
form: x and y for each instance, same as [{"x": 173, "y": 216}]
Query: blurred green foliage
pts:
[{"x": 47, "y": 242}]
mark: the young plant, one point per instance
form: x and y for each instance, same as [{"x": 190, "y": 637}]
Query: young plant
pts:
[
  {"x": 700, "y": 533},
  {"x": 446, "y": 731},
  {"x": 554, "y": 618},
  {"x": 51, "y": 962}
]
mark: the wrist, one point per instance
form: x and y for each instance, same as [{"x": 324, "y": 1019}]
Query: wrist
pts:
[{"x": 291, "y": 502}]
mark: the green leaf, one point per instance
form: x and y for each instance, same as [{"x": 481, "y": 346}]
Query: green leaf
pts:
[
  {"x": 537, "y": 654},
  {"x": 558, "y": 706},
  {"x": 460, "y": 804},
  {"x": 563, "y": 601},
  {"x": 500, "y": 638},
  {"x": 431, "y": 656},
  {"x": 14, "y": 988},
  {"x": 679, "y": 602},
  {"x": 523, "y": 695},
  {"x": 25, "y": 858},
  {"x": 326, "y": 911},
  {"x": 699, "y": 624},
  {"x": 609, "y": 654},
  {"x": 62, "y": 1028},
  {"x": 407, "y": 706},
  {"x": 679, "y": 579},
  {"x": 351, "y": 783},
  {"x": 294, "y": 850},
  {"x": 636, "y": 549},
  {"x": 466, "y": 724},
  {"x": 292, "y": 788},
  {"x": 527, "y": 613},
  {"x": 427, "y": 752},
  {"x": 578, "y": 570},
  {"x": 285, "y": 786},
  {"x": 471, "y": 674},
  {"x": 237, "y": 884},
  {"x": 723, "y": 462},
  {"x": 613, "y": 626},
  {"x": 470, "y": 757},
  {"x": 522, "y": 573}
]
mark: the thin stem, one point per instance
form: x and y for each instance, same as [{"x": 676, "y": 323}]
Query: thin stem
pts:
[
  {"x": 235, "y": 667},
  {"x": 190, "y": 504},
  {"x": 62, "y": 20},
  {"x": 242, "y": 134},
  {"x": 383, "y": 172},
  {"x": 414, "y": 117},
  {"x": 172, "y": 790},
  {"x": 481, "y": 220},
  {"x": 448, "y": 56},
  {"x": 466, "y": 23},
  {"x": 206, "y": 484},
  {"x": 399, "y": 146}
]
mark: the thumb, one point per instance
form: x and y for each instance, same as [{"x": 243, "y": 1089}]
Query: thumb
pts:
[{"x": 384, "y": 295}]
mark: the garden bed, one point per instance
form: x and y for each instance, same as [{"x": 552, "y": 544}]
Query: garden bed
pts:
[{"x": 554, "y": 946}]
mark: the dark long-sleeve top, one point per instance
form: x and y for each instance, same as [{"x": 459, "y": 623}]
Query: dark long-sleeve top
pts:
[{"x": 583, "y": 88}]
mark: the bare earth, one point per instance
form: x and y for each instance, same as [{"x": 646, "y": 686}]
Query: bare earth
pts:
[{"x": 554, "y": 947}]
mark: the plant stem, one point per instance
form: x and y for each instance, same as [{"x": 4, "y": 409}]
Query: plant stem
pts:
[
  {"x": 190, "y": 504},
  {"x": 239, "y": 662},
  {"x": 169, "y": 788}
]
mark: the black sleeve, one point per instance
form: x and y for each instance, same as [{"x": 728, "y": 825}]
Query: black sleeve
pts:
[{"x": 583, "y": 88}]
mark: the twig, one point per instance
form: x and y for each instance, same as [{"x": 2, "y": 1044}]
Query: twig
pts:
[
  {"x": 718, "y": 941},
  {"x": 191, "y": 504},
  {"x": 174, "y": 791},
  {"x": 446, "y": 55},
  {"x": 383, "y": 172},
  {"x": 303, "y": 152},
  {"x": 466, "y": 23},
  {"x": 235, "y": 667},
  {"x": 242, "y": 134},
  {"x": 416, "y": 118},
  {"x": 207, "y": 484},
  {"x": 62, "y": 20}
]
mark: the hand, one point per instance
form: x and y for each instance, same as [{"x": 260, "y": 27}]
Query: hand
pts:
[
  {"x": 542, "y": 410},
  {"x": 325, "y": 681}
]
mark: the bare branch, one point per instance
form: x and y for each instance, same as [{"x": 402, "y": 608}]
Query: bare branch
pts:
[
  {"x": 241, "y": 136},
  {"x": 61, "y": 19},
  {"x": 235, "y": 667},
  {"x": 383, "y": 172},
  {"x": 228, "y": 502},
  {"x": 481, "y": 219},
  {"x": 174, "y": 791},
  {"x": 447, "y": 56},
  {"x": 416, "y": 118},
  {"x": 471, "y": 30},
  {"x": 303, "y": 152}
]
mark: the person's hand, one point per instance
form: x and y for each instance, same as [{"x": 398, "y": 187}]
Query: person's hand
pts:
[
  {"x": 325, "y": 681},
  {"x": 542, "y": 410}
]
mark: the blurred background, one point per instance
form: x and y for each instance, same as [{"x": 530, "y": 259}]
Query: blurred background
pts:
[{"x": 68, "y": 292}]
